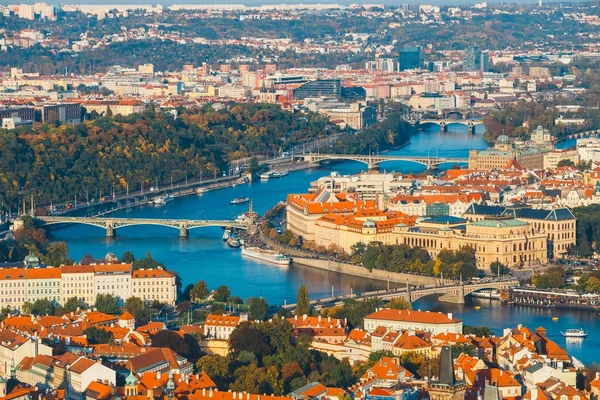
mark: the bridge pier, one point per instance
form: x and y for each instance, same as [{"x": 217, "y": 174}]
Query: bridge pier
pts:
[
  {"x": 110, "y": 229},
  {"x": 183, "y": 230},
  {"x": 458, "y": 298}
]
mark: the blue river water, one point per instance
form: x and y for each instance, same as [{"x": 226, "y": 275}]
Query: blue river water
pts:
[{"x": 203, "y": 255}]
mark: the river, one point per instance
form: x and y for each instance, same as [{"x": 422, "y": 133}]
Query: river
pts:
[{"x": 203, "y": 255}]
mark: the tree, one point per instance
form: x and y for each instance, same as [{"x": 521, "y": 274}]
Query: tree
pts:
[
  {"x": 96, "y": 335},
  {"x": 27, "y": 307},
  {"x": 72, "y": 304},
  {"x": 399, "y": 303},
  {"x": 565, "y": 163},
  {"x": 187, "y": 345},
  {"x": 257, "y": 308},
  {"x": 302, "y": 302},
  {"x": 128, "y": 257},
  {"x": 56, "y": 254},
  {"x": 222, "y": 294},
  {"x": 248, "y": 337},
  {"x": 107, "y": 303},
  {"x": 134, "y": 305},
  {"x": 498, "y": 268},
  {"x": 216, "y": 367},
  {"x": 199, "y": 291},
  {"x": 86, "y": 259},
  {"x": 480, "y": 331},
  {"x": 253, "y": 165},
  {"x": 42, "y": 307}
]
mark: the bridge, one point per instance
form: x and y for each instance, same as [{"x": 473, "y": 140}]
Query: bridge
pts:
[
  {"x": 453, "y": 292},
  {"x": 444, "y": 122},
  {"x": 111, "y": 224},
  {"x": 373, "y": 161}
]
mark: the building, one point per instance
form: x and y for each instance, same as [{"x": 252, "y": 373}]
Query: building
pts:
[
  {"x": 220, "y": 326},
  {"x": 85, "y": 282},
  {"x": 84, "y": 371},
  {"x": 447, "y": 387},
  {"x": 504, "y": 152},
  {"x": 557, "y": 225},
  {"x": 476, "y": 60},
  {"x": 14, "y": 347},
  {"x": 303, "y": 210},
  {"x": 154, "y": 285},
  {"x": 68, "y": 113},
  {"x": 411, "y": 57},
  {"x": 357, "y": 115},
  {"x": 398, "y": 320},
  {"x": 318, "y": 88},
  {"x": 24, "y": 113}
]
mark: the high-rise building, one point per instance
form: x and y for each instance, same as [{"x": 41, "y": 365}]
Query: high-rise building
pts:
[
  {"x": 476, "y": 60},
  {"x": 411, "y": 57}
]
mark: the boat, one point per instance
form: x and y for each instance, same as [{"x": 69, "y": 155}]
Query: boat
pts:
[
  {"x": 277, "y": 175},
  {"x": 162, "y": 199},
  {"x": 554, "y": 318},
  {"x": 478, "y": 307},
  {"x": 234, "y": 242},
  {"x": 226, "y": 234},
  {"x": 269, "y": 256},
  {"x": 201, "y": 190},
  {"x": 240, "y": 200},
  {"x": 266, "y": 176},
  {"x": 575, "y": 333}
]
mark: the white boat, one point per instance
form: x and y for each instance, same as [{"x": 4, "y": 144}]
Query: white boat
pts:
[
  {"x": 240, "y": 200},
  {"x": 201, "y": 190},
  {"x": 265, "y": 176},
  {"x": 163, "y": 199},
  {"x": 575, "y": 333},
  {"x": 269, "y": 256},
  {"x": 226, "y": 234}
]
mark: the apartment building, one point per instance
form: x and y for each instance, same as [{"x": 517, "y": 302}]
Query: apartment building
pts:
[
  {"x": 85, "y": 282},
  {"x": 14, "y": 347}
]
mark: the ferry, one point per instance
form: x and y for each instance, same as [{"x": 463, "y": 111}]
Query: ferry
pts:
[
  {"x": 269, "y": 256},
  {"x": 277, "y": 175},
  {"x": 240, "y": 200},
  {"x": 226, "y": 234},
  {"x": 266, "y": 176},
  {"x": 163, "y": 199},
  {"x": 575, "y": 333},
  {"x": 234, "y": 242}
]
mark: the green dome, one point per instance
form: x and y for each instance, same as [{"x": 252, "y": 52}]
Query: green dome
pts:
[{"x": 131, "y": 379}]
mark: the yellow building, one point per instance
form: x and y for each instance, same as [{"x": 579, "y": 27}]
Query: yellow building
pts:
[{"x": 154, "y": 284}]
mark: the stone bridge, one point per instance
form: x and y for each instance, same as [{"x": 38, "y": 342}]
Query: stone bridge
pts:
[
  {"x": 373, "y": 161},
  {"x": 443, "y": 123},
  {"x": 111, "y": 224}
]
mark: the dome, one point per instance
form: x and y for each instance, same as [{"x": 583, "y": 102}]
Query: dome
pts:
[
  {"x": 131, "y": 379},
  {"x": 369, "y": 224},
  {"x": 503, "y": 139}
]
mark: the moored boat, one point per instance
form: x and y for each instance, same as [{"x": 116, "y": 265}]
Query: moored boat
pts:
[
  {"x": 240, "y": 200},
  {"x": 234, "y": 242},
  {"x": 226, "y": 234},
  {"x": 574, "y": 333},
  {"x": 269, "y": 256},
  {"x": 162, "y": 199}
]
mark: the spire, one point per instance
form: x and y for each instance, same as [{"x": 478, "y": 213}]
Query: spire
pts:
[
  {"x": 170, "y": 383},
  {"x": 131, "y": 379}
]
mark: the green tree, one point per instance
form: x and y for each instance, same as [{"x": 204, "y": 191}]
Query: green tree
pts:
[
  {"x": 216, "y": 367},
  {"x": 248, "y": 337},
  {"x": 565, "y": 163},
  {"x": 480, "y": 331},
  {"x": 222, "y": 294},
  {"x": 56, "y": 254},
  {"x": 187, "y": 345},
  {"x": 128, "y": 257},
  {"x": 199, "y": 291},
  {"x": 399, "y": 303},
  {"x": 497, "y": 268},
  {"x": 42, "y": 307},
  {"x": 107, "y": 303},
  {"x": 302, "y": 302},
  {"x": 253, "y": 165},
  {"x": 72, "y": 304},
  {"x": 27, "y": 307},
  {"x": 96, "y": 335},
  {"x": 134, "y": 305},
  {"x": 257, "y": 308}
]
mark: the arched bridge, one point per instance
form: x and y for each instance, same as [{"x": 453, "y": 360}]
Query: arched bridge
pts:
[
  {"x": 457, "y": 292},
  {"x": 111, "y": 224},
  {"x": 373, "y": 161},
  {"x": 443, "y": 123}
]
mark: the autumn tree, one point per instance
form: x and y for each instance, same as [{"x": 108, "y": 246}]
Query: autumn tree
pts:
[{"x": 302, "y": 302}]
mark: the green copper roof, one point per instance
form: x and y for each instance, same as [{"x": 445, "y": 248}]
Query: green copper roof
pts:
[{"x": 501, "y": 223}]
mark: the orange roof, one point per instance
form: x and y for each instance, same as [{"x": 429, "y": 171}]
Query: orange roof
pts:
[
  {"x": 219, "y": 395},
  {"x": 81, "y": 365},
  {"x": 222, "y": 320},
  {"x": 126, "y": 316},
  {"x": 410, "y": 341},
  {"x": 151, "y": 273},
  {"x": 12, "y": 273},
  {"x": 99, "y": 390},
  {"x": 106, "y": 268},
  {"x": 43, "y": 273},
  {"x": 425, "y": 317}
]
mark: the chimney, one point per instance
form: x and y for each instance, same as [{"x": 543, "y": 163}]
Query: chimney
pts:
[
  {"x": 210, "y": 392},
  {"x": 304, "y": 317},
  {"x": 319, "y": 318},
  {"x": 296, "y": 317},
  {"x": 203, "y": 392},
  {"x": 328, "y": 319},
  {"x": 449, "y": 315},
  {"x": 158, "y": 375}
]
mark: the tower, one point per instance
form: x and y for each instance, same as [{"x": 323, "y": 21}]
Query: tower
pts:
[
  {"x": 131, "y": 384},
  {"x": 447, "y": 387}
]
